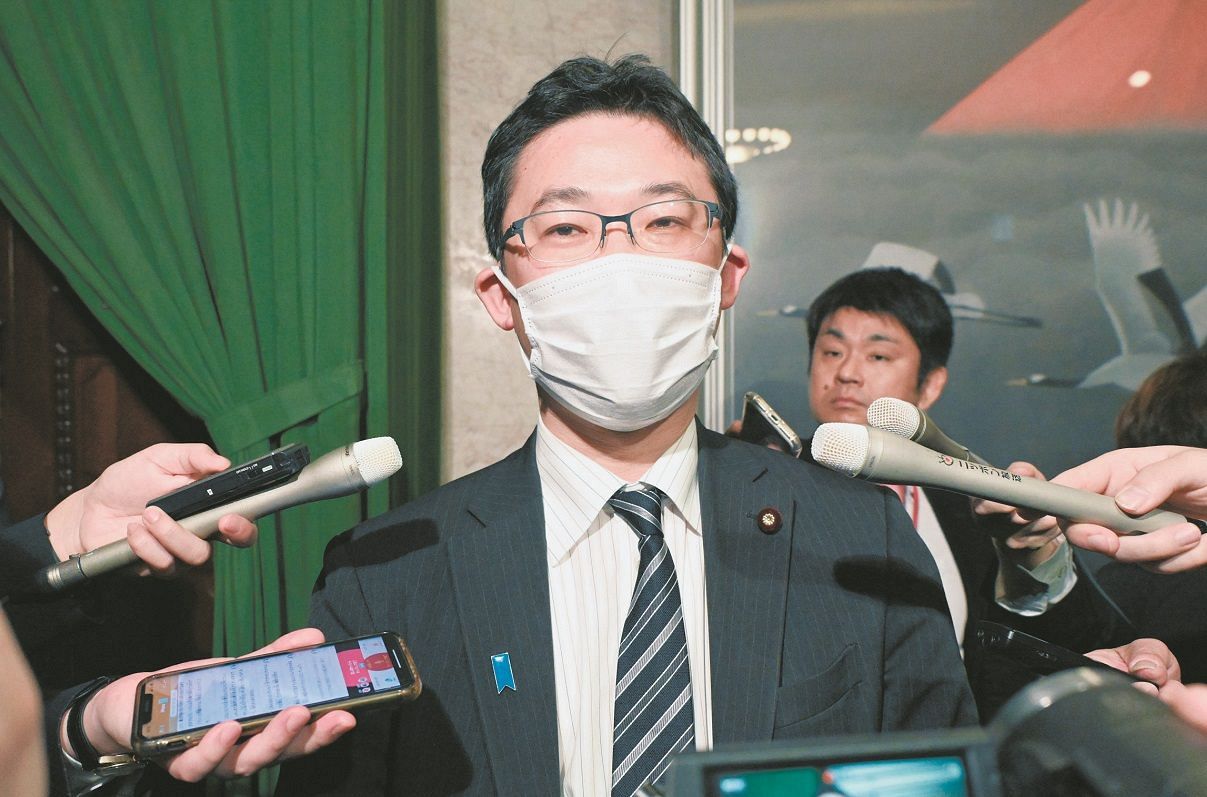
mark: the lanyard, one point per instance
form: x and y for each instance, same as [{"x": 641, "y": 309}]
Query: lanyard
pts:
[{"x": 911, "y": 497}]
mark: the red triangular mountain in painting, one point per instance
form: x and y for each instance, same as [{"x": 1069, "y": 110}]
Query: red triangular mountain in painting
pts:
[{"x": 1110, "y": 65}]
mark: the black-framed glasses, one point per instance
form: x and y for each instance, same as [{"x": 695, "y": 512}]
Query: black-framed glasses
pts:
[{"x": 672, "y": 226}]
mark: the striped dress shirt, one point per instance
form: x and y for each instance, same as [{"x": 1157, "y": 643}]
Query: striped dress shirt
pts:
[{"x": 593, "y": 563}]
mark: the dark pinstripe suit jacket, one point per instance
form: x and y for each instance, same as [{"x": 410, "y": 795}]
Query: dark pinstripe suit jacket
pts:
[
  {"x": 835, "y": 624},
  {"x": 1079, "y": 621}
]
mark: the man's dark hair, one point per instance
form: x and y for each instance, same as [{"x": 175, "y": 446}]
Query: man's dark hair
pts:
[
  {"x": 1169, "y": 408},
  {"x": 630, "y": 86},
  {"x": 915, "y": 303}
]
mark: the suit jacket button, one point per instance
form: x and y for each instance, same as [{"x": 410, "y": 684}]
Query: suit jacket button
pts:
[{"x": 769, "y": 520}]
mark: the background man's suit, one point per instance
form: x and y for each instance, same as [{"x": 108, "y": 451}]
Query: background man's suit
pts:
[
  {"x": 1079, "y": 621},
  {"x": 800, "y": 622}
]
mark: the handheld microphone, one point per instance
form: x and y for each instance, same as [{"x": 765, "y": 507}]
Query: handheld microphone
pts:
[
  {"x": 344, "y": 471},
  {"x": 874, "y": 455},
  {"x": 906, "y": 420}
]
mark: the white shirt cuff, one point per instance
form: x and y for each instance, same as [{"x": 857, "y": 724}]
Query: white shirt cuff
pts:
[{"x": 1031, "y": 592}]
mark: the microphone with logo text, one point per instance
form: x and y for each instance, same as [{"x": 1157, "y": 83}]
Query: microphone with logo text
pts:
[
  {"x": 875, "y": 455},
  {"x": 354, "y": 467},
  {"x": 911, "y": 422}
]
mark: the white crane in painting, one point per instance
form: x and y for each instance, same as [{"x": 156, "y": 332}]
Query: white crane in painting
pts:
[
  {"x": 1128, "y": 273},
  {"x": 927, "y": 266}
]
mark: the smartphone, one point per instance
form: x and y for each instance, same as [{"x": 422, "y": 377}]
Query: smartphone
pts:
[
  {"x": 1038, "y": 655},
  {"x": 175, "y": 709},
  {"x": 761, "y": 424},
  {"x": 275, "y": 467}
]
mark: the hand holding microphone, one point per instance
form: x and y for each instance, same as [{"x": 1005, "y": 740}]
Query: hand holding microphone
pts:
[
  {"x": 1030, "y": 539},
  {"x": 875, "y": 455},
  {"x": 113, "y": 507},
  {"x": 1140, "y": 479},
  {"x": 1159, "y": 472},
  {"x": 340, "y": 472},
  {"x": 1030, "y": 532}
]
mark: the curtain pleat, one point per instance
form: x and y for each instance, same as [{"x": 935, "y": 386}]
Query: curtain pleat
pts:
[{"x": 211, "y": 179}]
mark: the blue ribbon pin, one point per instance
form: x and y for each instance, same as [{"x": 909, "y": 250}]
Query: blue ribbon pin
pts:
[{"x": 504, "y": 677}]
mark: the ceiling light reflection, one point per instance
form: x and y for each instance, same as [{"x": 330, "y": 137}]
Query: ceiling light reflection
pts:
[{"x": 743, "y": 144}]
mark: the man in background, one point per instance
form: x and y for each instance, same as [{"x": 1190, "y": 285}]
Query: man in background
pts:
[{"x": 885, "y": 332}]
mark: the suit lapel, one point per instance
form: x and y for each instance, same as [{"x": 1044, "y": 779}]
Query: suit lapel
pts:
[
  {"x": 747, "y": 582},
  {"x": 501, "y": 584}
]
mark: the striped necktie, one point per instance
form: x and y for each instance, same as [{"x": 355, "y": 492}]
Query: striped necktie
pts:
[{"x": 653, "y": 714}]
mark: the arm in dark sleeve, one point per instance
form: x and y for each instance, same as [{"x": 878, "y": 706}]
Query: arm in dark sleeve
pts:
[
  {"x": 52, "y": 716},
  {"x": 1082, "y": 620},
  {"x": 24, "y": 550},
  {"x": 36, "y": 618}
]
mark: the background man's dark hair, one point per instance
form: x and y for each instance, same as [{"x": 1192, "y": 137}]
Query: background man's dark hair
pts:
[
  {"x": 1169, "y": 408},
  {"x": 588, "y": 85},
  {"x": 916, "y": 304}
]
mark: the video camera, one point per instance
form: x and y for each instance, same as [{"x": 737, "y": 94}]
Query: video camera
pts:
[{"x": 1082, "y": 733}]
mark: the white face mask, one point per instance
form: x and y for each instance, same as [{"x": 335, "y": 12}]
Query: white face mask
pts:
[{"x": 622, "y": 341}]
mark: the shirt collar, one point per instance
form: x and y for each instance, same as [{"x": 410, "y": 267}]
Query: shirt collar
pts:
[{"x": 580, "y": 487}]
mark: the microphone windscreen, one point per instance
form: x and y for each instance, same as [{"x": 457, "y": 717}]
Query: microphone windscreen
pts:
[
  {"x": 377, "y": 458},
  {"x": 842, "y": 447},
  {"x": 896, "y": 416}
]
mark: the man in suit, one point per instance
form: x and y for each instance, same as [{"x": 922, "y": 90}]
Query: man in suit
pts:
[
  {"x": 627, "y": 585},
  {"x": 886, "y": 332}
]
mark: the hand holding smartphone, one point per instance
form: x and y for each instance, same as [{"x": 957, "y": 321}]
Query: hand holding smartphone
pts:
[
  {"x": 762, "y": 425},
  {"x": 1038, "y": 655},
  {"x": 175, "y": 709}
]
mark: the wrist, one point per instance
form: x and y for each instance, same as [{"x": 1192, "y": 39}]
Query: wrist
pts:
[
  {"x": 1037, "y": 556},
  {"x": 94, "y": 725},
  {"x": 74, "y": 739},
  {"x": 82, "y": 733},
  {"x": 84, "y": 739},
  {"x": 63, "y": 525},
  {"x": 1028, "y": 558}
]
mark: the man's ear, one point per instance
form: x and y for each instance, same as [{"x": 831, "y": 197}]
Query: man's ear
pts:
[
  {"x": 495, "y": 299},
  {"x": 733, "y": 271},
  {"x": 932, "y": 387}
]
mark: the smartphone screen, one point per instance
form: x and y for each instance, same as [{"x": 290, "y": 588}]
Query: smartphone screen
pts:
[{"x": 338, "y": 674}]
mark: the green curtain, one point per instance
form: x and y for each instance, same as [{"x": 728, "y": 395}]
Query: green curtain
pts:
[
  {"x": 211, "y": 179},
  {"x": 414, "y": 286}
]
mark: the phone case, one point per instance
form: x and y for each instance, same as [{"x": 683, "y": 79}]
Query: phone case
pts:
[
  {"x": 762, "y": 425},
  {"x": 172, "y": 743},
  {"x": 1036, "y": 654}
]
